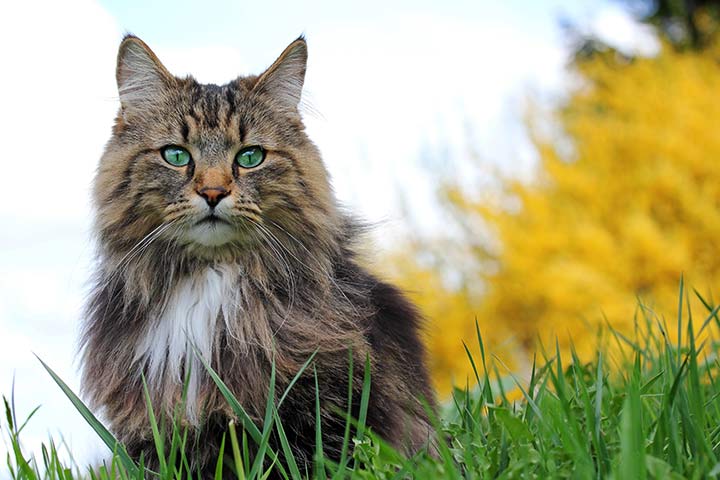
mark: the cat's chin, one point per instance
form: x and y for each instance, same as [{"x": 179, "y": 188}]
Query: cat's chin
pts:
[{"x": 211, "y": 234}]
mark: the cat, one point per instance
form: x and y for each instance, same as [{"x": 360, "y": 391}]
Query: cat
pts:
[{"x": 219, "y": 237}]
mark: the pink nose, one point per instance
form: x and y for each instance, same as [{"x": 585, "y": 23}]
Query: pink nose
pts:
[{"x": 213, "y": 195}]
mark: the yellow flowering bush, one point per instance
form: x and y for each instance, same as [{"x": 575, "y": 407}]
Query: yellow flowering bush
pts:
[{"x": 624, "y": 202}]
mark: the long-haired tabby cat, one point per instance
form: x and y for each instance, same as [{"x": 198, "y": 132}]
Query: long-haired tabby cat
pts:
[{"x": 219, "y": 236}]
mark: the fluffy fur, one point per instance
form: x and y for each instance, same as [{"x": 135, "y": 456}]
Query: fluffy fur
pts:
[{"x": 268, "y": 274}]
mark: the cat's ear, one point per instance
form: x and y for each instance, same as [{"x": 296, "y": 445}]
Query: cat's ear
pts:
[
  {"x": 283, "y": 81},
  {"x": 141, "y": 77}
]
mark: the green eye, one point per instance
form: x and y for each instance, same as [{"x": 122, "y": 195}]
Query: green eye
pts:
[
  {"x": 176, "y": 156},
  {"x": 250, "y": 157}
]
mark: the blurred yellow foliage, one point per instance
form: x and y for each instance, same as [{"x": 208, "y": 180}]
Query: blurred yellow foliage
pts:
[{"x": 625, "y": 201}]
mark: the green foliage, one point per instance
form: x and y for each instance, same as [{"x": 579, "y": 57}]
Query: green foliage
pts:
[{"x": 652, "y": 412}]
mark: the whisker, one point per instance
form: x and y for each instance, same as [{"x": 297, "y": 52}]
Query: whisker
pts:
[
  {"x": 251, "y": 207},
  {"x": 272, "y": 239},
  {"x": 132, "y": 254},
  {"x": 328, "y": 276},
  {"x": 157, "y": 230}
]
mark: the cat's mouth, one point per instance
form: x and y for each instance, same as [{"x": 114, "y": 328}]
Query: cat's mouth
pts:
[
  {"x": 212, "y": 219},
  {"x": 211, "y": 231}
]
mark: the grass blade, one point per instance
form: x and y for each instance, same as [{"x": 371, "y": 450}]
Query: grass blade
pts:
[{"x": 103, "y": 433}]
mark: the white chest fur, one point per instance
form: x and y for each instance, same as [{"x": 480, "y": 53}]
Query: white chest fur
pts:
[{"x": 189, "y": 318}]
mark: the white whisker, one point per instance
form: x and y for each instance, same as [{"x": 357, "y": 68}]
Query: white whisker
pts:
[{"x": 328, "y": 276}]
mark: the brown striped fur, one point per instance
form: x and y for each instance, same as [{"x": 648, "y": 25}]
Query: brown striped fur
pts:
[{"x": 287, "y": 249}]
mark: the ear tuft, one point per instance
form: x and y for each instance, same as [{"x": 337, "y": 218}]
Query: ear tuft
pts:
[
  {"x": 283, "y": 81},
  {"x": 141, "y": 77}
]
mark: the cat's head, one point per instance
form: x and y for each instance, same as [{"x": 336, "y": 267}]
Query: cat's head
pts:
[{"x": 209, "y": 168}]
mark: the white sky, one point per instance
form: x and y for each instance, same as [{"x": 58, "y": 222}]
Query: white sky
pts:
[{"x": 393, "y": 90}]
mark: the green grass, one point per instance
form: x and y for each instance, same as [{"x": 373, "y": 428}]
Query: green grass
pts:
[{"x": 649, "y": 410}]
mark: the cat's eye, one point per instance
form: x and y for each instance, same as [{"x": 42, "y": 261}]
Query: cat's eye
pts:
[
  {"x": 176, "y": 156},
  {"x": 250, "y": 157}
]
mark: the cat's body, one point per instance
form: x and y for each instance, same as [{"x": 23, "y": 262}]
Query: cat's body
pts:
[{"x": 205, "y": 251}]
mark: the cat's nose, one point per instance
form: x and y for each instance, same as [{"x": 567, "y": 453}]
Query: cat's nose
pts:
[{"x": 213, "y": 195}]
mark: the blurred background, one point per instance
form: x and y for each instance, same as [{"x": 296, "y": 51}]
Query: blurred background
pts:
[{"x": 535, "y": 166}]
